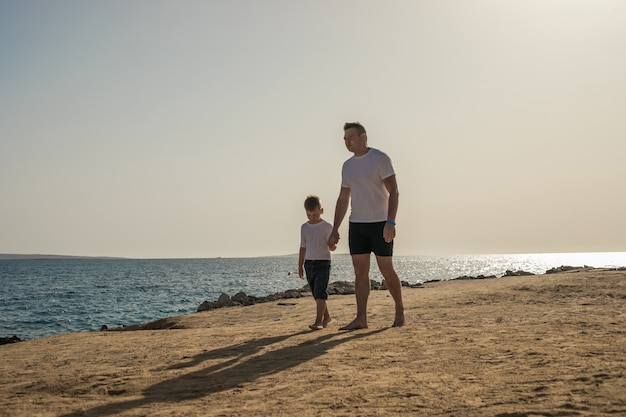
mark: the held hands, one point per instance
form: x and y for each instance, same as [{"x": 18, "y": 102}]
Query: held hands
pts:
[{"x": 333, "y": 240}]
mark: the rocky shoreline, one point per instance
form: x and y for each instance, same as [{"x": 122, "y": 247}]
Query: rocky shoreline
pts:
[
  {"x": 242, "y": 299},
  {"x": 343, "y": 288},
  {"x": 334, "y": 288},
  {"x": 7, "y": 340}
]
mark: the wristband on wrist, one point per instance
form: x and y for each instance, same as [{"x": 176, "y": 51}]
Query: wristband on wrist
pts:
[{"x": 391, "y": 222}]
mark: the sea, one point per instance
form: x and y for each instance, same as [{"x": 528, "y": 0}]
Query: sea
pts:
[{"x": 46, "y": 297}]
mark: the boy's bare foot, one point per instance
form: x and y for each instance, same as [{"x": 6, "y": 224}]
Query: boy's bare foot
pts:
[
  {"x": 316, "y": 326},
  {"x": 354, "y": 325},
  {"x": 326, "y": 321},
  {"x": 399, "y": 321}
]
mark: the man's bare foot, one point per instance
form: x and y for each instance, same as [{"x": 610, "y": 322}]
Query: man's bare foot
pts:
[
  {"x": 354, "y": 325},
  {"x": 399, "y": 321},
  {"x": 316, "y": 326},
  {"x": 326, "y": 321}
]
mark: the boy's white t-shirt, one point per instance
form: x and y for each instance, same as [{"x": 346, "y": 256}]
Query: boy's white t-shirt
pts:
[
  {"x": 364, "y": 176},
  {"x": 314, "y": 237}
]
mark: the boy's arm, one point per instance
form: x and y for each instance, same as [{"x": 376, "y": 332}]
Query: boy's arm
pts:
[
  {"x": 301, "y": 262},
  {"x": 332, "y": 246}
]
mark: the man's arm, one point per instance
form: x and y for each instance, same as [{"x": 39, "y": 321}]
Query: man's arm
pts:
[
  {"x": 341, "y": 208},
  {"x": 389, "y": 232}
]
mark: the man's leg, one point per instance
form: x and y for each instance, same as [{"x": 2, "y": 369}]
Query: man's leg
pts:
[
  {"x": 362, "y": 286},
  {"x": 385, "y": 265}
]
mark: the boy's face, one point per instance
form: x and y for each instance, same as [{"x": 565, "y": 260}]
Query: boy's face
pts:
[{"x": 314, "y": 216}]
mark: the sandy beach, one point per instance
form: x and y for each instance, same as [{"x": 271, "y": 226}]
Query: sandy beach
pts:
[{"x": 544, "y": 345}]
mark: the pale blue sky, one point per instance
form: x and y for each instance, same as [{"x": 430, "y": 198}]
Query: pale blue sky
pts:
[{"x": 196, "y": 128}]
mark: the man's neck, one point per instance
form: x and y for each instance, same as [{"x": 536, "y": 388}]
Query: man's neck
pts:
[{"x": 362, "y": 152}]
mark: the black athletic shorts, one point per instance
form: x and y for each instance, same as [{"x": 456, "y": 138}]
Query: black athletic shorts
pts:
[
  {"x": 318, "y": 275},
  {"x": 368, "y": 238}
]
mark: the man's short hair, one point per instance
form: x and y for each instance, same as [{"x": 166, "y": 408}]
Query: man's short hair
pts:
[{"x": 356, "y": 125}]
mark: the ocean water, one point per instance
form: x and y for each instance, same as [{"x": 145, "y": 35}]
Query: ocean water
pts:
[{"x": 41, "y": 298}]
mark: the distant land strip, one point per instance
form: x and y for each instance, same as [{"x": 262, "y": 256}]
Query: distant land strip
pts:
[{"x": 12, "y": 257}]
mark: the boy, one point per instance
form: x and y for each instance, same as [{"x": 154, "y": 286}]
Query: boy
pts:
[{"x": 314, "y": 257}]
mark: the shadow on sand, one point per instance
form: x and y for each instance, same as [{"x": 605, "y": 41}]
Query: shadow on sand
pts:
[{"x": 246, "y": 365}]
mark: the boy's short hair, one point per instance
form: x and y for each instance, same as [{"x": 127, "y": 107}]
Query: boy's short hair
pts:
[
  {"x": 312, "y": 202},
  {"x": 356, "y": 125}
]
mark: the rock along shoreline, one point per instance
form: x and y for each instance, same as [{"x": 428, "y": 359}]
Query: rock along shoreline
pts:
[{"x": 242, "y": 299}]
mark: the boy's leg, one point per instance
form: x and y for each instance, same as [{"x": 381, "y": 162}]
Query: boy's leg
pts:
[
  {"x": 322, "y": 276},
  {"x": 324, "y": 279},
  {"x": 319, "y": 319},
  {"x": 327, "y": 319},
  {"x": 311, "y": 273}
]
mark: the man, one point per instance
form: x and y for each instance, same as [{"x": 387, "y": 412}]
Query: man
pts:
[{"x": 368, "y": 185}]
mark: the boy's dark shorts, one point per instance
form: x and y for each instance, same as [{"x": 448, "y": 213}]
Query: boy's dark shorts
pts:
[
  {"x": 368, "y": 238},
  {"x": 317, "y": 275}
]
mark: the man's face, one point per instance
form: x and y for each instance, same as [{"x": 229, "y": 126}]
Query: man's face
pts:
[{"x": 353, "y": 140}]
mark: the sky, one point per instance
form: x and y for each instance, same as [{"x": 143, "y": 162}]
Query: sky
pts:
[{"x": 195, "y": 129}]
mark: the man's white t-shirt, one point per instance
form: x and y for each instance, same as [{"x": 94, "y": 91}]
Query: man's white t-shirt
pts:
[
  {"x": 314, "y": 237},
  {"x": 364, "y": 176}
]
